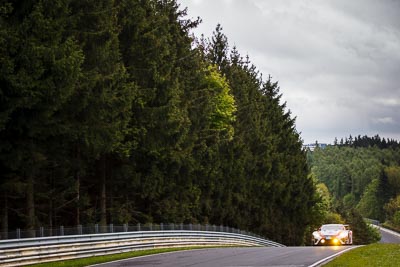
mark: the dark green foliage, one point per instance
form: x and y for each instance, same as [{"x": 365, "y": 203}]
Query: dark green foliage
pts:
[
  {"x": 110, "y": 113},
  {"x": 349, "y": 170},
  {"x": 266, "y": 155},
  {"x": 363, "y": 233},
  {"x": 41, "y": 67},
  {"x": 366, "y": 141}
]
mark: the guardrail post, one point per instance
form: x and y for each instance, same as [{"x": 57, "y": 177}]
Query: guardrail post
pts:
[
  {"x": 80, "y": 229},
  {"x": 111, "y": 226},
  {"x": 96, "y": 228},
  {"x": 151, "y": 227},
  {"x": 138, "y": 227},
  {"x": 190, "y": 227},
  {"x": 41, "y": 230},
  {"x": 18, "y": 232},
  {"x": 161, "y": 226},
  {"x": 181, "y": 226},
  {"x": 125, "y": 227},
  {"x": 61, "y": 230}
]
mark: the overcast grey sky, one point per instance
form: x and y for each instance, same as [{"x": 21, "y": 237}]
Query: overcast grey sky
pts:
[{"x": 337, "y": 61}]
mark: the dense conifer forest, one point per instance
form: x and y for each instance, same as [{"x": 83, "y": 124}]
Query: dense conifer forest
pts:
[{"x": 111, "y": 111}]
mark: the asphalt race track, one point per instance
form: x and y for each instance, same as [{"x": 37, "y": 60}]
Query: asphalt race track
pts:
[
  {"x": 240, "y": 257},
  {"x": 218, "y": 257},
  {"x": 389, "y": 237}
]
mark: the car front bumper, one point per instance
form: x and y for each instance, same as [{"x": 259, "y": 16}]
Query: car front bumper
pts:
[{"x": 329, "y": 241}]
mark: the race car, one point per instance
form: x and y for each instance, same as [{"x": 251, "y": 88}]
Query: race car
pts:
[{"x": 333, "y": 234}]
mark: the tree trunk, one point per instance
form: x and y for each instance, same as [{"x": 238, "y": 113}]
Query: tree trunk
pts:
[
  {"x": 4, "y": 216},
  {"x": 103, "y": 200},
  {"x": 78, "y": 186},
  {"x": 30, "y": 204},
  {"x": 78, "y": 195},
  {"x": 51, "y": 215}
]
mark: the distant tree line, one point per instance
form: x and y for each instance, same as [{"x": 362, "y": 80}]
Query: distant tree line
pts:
[
  {"x": 366, "y": 141},
  {"x": 112, "y": 112}
]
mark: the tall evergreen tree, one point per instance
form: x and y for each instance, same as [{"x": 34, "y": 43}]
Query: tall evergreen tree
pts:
[
  {"x": 104, "y": 95},
  {"x": 155, "y": 43},
  {"x": 266, "y": 154},
  {"x": 42, "y": 66}
]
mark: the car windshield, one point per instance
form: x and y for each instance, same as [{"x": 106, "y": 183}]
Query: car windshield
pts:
[{"x": 332, "y": 227}]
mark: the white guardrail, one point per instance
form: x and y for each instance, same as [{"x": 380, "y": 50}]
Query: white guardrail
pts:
[
  {"x": 387, "y": 230},
  {"x": 17, "y": 252}
]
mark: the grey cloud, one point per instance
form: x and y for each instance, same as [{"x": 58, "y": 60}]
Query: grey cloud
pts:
[{"x": 337, "y": 61}]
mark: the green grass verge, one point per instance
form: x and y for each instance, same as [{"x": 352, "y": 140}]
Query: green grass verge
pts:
[
  {"x": 108, "y": 258},
  {"x": 379, "y": 255}
]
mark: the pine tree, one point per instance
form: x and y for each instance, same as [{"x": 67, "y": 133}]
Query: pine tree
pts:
[
  {"x": 155, "y": 45},
  {"x": 218, "y": 49},
  {"x": 102, "y": 104},
  {"x": 42, "y": 66}
]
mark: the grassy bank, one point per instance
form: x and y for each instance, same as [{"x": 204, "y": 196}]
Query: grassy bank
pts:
[
  {"x": 108, "y": 258},
  {"x": 379, "y": 255}
]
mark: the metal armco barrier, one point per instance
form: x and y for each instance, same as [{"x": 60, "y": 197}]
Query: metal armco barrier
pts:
[
  {"x": 25, "y": 251},
  {"x": 111, "y": 228},
  {"x": 372, "y": 221}
]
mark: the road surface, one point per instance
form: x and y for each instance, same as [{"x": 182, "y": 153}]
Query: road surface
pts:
[
  {"x": 389, "y": 236},
  {"x": 239, "y": 257}
]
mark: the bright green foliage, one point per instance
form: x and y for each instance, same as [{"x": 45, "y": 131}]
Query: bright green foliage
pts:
[{"x": 223, "y": 104}]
